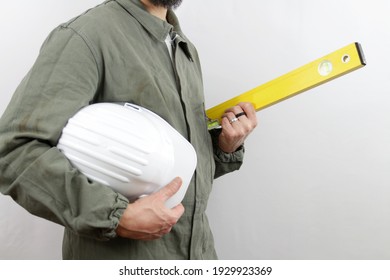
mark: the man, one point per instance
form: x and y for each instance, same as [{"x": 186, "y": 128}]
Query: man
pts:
[{"x": 120, "y": 51}]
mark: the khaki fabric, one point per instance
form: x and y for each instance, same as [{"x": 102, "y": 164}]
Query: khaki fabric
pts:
[{"x": 115, "y": 52}]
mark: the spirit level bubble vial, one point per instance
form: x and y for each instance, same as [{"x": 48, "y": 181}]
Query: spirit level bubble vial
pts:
[{"x": 315, "y": 73}]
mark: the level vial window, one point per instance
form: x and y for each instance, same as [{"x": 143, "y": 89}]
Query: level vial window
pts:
[{"x": 325, "y": 68}]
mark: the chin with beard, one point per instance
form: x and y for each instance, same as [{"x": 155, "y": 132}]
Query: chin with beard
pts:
[{"x": 169, "y": 4}]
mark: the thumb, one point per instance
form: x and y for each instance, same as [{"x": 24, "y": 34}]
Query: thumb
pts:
[{"x": 170, "y": 189}]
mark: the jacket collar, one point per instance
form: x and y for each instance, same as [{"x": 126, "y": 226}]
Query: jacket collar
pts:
[{"x": 155, "y": 26}]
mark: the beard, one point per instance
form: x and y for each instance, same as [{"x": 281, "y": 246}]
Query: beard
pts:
[{"x": 169, "y": 4}]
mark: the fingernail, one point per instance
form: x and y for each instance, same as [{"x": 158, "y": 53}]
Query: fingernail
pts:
[{"x": 177, "y": 180}]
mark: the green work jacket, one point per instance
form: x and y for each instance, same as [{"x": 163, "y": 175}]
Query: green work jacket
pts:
[{"x": 115, "y": 52}]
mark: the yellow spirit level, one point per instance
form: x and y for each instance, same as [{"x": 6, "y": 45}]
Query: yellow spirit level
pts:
[{"x": 313, "y": 74}]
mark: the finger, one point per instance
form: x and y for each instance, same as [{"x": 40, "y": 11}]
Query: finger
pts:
[
  {"x": 240, "y": 114},
  {"x": 228, "y": 119},
  {"x": 249, "y": 110},
  {"x": 145, "y": 236},
  {"x": 123, "y": 232},
  {"x": 165, "y": 230},
  {"x": 247, "y": 116},
  {"x": 235, "y": 109},
  {"x": 228, "y": 114},
  {"x": 178, "y": 211},
  {"x": 169, "y": 190}
]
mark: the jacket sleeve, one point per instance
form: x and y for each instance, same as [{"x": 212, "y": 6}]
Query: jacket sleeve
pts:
[
  {"x": 225, "y": 162},
  {"x": 33, "y": 171}
]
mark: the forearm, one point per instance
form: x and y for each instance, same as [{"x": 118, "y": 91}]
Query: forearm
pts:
[
  {"x": 226, "y": 162},
  {"x": 40, "y": 179},
  {"x": 33, "y": 171}
]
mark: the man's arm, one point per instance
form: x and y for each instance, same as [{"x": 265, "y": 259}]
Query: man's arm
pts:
[
  {"x": 33, "y": 171},
  {"x": 237, "y": 123}
]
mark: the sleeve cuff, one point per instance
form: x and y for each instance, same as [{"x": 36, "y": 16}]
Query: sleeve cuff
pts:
[
  {"x": 119, "y": 208},
  {"x": 237, "y": 156}
]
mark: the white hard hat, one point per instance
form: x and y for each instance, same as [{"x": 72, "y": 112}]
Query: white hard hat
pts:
[{"x": 128, "y": 148}]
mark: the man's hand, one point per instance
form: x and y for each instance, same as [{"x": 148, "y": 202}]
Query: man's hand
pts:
[
  {"x": 148, "y": 218},
  {"x": 237, "y": 123}
]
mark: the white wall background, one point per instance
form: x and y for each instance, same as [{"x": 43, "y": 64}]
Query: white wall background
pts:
[{"x": 316, "y": 180}]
